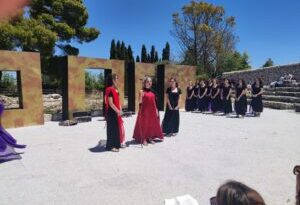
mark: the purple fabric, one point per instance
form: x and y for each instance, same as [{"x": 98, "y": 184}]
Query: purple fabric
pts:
[{"x": 7, "y": 143}]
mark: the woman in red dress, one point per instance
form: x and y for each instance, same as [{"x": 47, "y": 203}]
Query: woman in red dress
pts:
[
  {"x": 147, "y": 125},
  {"x": 115, "y": 129}
]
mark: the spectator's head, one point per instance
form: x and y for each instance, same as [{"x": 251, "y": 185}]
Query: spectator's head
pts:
[{"x": 236, "y": 193}]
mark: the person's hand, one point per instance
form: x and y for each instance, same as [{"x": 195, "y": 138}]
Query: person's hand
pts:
[
  {"x": 237, "y": 99},
  {"x": 157, "y": 113},
  {"x": 119, "y": 112},
  {"x": 176, "y": 108},
  {"x": 170, "y": 107},
  {"x": 255, "y": 96},
  {"x": 227, "y": 98}
]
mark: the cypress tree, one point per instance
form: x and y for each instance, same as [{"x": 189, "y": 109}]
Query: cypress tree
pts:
[
  {"x": 148, "y": 58},
  {"x": 113, "y": 50},
  {"x": 167, "y": 52},
  {"x": 152, "y": 54},
  {"x": 144, "y": 54},
  {"x": 137, "y": 59},
  {"x": 130, "y": 54},
  {"x": 122, "y": 51},
  {"x": 118, "y": 50},
  {"x": 156, "y": 57}
]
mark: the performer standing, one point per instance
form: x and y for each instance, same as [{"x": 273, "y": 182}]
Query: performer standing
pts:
[
  {"x": 170, "y": 122},
  {"x": 196, "y": 96},
  {"x": 202, "y": 96},
  {"x": 147, "y": 126},
  {"x": 225, "y": 96},
  {"x": 257, "y": 91},
  {"x": 115, "y": 129},
  {"x": 7, "y": 143},
  {"x": 215, "y": 96},
  {"x": 241, "y": 99},
  {"x": 189, "y": 97},
  {"x": 208, "y": 95}
]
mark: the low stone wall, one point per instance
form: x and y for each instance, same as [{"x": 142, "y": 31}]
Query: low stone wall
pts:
[{"x": 268, "y": 75}]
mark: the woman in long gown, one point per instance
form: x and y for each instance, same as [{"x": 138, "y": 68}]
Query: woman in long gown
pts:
[
  {"x": 196, "y": 95},
  {"x": 170, "y": 124},
  {"x": 225, "y": 97},
  {"x": 7, "y": 143},
  {"x": 208, "y": 95},
  {"x": 189, "y": 97},
  {"x": 257, "y": 91},
  {"x": 215, "y": 96},
  {"x": 115, "y": 129},
  {"x": 241, "y": 99},
  {"x": 147, "y": 126},
  {"x": 202, "y": 96}
]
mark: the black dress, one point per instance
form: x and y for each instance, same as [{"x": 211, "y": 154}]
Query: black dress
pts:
[
  {"x": 208, "y": 98},
  {"x": 202, "y": 106},
  {"x": 241, "y": 105},
  {"x": 195, "y": 97},
  {"x": 226, "y": 103},
  {"x": 170, "y": 123},
  {"x": 112, "y": 131},
  {"x": 256, "y": 103},
  {"x": 189, "y": 102},
  {"x": 215, "y": 102}
]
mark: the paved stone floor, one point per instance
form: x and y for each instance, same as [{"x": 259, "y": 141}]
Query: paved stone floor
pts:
[{"x": 58, "y": 166}]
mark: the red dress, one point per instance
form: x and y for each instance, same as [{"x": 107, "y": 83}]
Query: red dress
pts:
[{"x": 147, "y": 124}]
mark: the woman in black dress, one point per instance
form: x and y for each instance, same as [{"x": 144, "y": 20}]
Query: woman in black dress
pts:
[
  {"x": 208, "y": 95},
  {"x": 115, "y": 129},
  {"x": 241, "y": 99},
  {"x": 215, "y": 96},
  {"x": 202, "y": 96},
  {"x": 170, "y": 124},
  {"x": 189, "y": 97},
  {"x": 225, "y": 97},
  {"x": 257, "y": 91},
  {"x": 196, "y": 95}
]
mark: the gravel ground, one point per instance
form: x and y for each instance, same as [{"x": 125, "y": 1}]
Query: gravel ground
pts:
[{"x": 58, "y": 166}]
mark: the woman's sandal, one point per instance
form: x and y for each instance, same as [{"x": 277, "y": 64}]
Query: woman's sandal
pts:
[{"x": 114, "y": 150}]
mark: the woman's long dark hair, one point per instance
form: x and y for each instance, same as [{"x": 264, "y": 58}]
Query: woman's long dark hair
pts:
[
  {"x": 243, "y": 83},
  {"x": 110, "y": 80},
  {"x": 260, "y": 82},
  {"x": 233, "y": 193}
]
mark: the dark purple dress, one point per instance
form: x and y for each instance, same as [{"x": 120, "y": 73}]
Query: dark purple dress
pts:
[
  {"x": 226, "y": 102},
  {"x": 7, "y": 143}
]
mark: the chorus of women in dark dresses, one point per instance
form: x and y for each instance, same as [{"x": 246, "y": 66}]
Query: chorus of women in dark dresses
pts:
[
  {"x": 213, "y": 96},
  {"x": 225, "y": 97}
]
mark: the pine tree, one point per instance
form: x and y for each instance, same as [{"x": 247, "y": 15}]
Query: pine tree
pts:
[
  {"x": 137, "y": 59},
  {"x": 113, "y": 50},
  {"x": 118, "y": 50},
  {"x": 152, "y": 54},
  {"x": 144, "y": 54}
]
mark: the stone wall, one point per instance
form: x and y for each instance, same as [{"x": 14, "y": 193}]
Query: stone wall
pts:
[{"x": 268, "y": 75}]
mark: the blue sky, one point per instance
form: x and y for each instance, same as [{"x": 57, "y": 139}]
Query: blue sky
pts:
[{"x": 266, "y": 28}]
